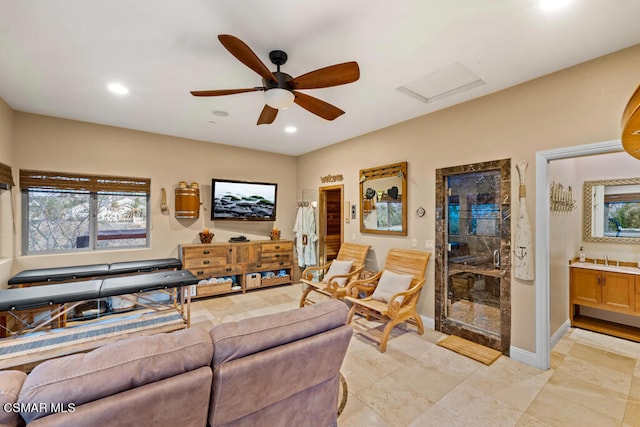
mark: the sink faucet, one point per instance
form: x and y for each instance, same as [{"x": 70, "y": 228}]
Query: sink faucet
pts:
[{"x": 606, "y": 260}]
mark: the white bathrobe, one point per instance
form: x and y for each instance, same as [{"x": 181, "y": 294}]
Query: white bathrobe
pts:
[{"x": 306, "y": 226}]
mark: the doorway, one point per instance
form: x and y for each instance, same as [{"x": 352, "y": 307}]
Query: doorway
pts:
[
  {"x": 543, "y": 338},
  {"x": 473, "y": 288},
  {"x": 330, "y": 218}
]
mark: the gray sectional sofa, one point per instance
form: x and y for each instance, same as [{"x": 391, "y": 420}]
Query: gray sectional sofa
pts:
[{"x": 275, "y": 370}]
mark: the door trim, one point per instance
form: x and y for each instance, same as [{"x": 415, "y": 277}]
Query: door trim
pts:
[{"x": 543, "y": 348}]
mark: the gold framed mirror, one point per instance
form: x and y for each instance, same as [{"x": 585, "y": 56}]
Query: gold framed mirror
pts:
[
  {"x": 611, "y": 211},
  {"x": 383, "y": 196}
]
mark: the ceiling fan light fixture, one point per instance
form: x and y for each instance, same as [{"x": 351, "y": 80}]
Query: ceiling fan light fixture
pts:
[{"x": 279, "y": 98}]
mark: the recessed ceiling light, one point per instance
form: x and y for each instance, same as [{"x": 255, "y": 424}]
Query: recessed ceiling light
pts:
[
  {"x": 220, "y": 113},
  {"x": 118, "y": 88},
  {"x": 290, "y": 129},
  {"x": 549, "y": 5}
]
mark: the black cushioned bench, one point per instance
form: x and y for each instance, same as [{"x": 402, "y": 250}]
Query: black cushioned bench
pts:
[
  {"x": 59, "y": 294},
  {"x": 24, "y": 348},
  {"x": 59, "y": 274},
  {"x": 41, "y": 296},
  {"x": 79, "y": 272},
  {"x": 62, "y": 293}
]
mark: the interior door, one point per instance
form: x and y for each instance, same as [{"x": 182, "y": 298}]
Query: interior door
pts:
[{"x": 330, "y": 213}]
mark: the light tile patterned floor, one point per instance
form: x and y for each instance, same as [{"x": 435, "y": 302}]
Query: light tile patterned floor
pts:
[{"x": 594, "y": 379}]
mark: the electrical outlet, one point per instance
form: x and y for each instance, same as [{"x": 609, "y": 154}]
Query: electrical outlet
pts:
[
  {"x": 414, "y": 243},
  {"x": 429, "y": 244}
]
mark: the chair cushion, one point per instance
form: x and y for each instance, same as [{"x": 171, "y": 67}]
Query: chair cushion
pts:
[
  {"x": 391, "y": 283},
  {"x": 338, "y": 268}
]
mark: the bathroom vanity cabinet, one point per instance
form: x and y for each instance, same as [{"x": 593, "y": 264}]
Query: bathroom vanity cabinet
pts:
[{"x": 615, "y": 289}]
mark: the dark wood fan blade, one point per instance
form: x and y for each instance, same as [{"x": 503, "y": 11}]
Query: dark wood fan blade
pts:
[
  {"x": 267, "y": 116},
  {"x": 317, "y": 106},
  {"x": 223, "y": 91},
  {"x": 245, "y": 55},
  {"x": 333, "y": 75}
]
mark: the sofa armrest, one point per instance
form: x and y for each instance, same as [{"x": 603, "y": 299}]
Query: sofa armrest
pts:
[{"x": 10, "y": 385}]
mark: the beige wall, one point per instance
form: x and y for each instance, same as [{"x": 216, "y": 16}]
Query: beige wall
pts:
[
  {"x": 53, "y": 144},
  {"x": 7, "y": 237},
  {"x": 565, "y": 239},
  {"x": 576, "y": 106}
]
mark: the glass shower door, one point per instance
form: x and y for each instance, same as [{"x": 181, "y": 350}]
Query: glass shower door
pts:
[{"x": 473, "y": 245}]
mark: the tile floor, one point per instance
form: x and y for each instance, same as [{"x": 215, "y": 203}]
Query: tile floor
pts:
[{"x": 594, "y": 379}]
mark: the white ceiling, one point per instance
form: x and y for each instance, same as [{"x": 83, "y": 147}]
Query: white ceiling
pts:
[{"x": 56, "y": 58}]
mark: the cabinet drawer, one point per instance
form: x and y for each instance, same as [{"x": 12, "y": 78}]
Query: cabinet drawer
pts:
[
  {"x": 207, "y": 272},
  {"x": 276, "y": 246},
  {"x": 270, "y": 266},
  {"x": 277, "y": 257},
  {"x": 190, "y": 263},
  {"x": 206, "y": 252}
]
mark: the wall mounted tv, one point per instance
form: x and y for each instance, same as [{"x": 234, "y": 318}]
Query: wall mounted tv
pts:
[{"x": 243, "y": 200}]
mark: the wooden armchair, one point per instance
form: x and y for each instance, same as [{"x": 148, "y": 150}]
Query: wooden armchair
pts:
[
  {"x": 336, "y": 278},
  {"x": 391, "y": 295}
]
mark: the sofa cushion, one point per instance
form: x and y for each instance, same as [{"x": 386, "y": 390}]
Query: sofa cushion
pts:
[
  {"x": 233, "y": 340},
  {"x": 10, "y": 385},
  {"x": 117, "y": 367}
]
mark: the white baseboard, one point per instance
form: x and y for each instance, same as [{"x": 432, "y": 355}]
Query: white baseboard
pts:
[
  {"x": 516, "y": 353},
  {"x": 428, "y": 322},
  {"x": 557, "y": 336},
  {"x": 523, "y": 356}
]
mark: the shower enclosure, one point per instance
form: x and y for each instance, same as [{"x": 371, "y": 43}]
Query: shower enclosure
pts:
[{"x": 473, "y": 232}]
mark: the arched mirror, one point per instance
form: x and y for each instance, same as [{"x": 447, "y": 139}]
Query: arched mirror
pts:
[
  {"x": 383, "y": 199},
  {"x": 611, "y": 211}
]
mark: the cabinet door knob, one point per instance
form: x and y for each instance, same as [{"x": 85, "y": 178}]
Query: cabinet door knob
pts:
[
  {"x": 206, "y": 262},
  {"x": 199, "y": 273},
  {"x": 258, "y": 265},
  {"x": 277, "y": 255},
  {"x": 205, "y": 252},
  {"x": 228, "y": 269},
  {"x": 277, "y": 247}
]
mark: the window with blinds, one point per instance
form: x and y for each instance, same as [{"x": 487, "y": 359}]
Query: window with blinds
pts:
[
  {"x": 6, "y": 177},
  {"x": 66, "y": 212}
]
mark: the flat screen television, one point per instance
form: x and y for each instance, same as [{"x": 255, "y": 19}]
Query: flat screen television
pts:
[{"x": 243, "y": 200}]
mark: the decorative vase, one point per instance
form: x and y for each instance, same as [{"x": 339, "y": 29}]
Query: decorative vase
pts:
[{"x": 205, "y": 237}]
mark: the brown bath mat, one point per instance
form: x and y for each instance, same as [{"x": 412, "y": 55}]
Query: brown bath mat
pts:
[{"x": 470, "y": 349}]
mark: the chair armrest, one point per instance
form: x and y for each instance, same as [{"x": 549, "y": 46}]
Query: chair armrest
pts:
[
  {"x": 404, "y": 299},
  {"x": 365, "y": 285},
  {"x": 333, "y": 285},
  {"x": 308, "y": 272}
]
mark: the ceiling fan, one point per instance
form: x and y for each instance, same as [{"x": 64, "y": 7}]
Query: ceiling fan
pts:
[{"x": 280, "y": 89}]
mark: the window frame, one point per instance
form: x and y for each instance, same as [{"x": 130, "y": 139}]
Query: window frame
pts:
[{"x": 92, "y": 185}]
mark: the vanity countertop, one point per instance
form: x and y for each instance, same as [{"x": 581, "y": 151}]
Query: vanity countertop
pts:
[{"x": 612, "y": 268}]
